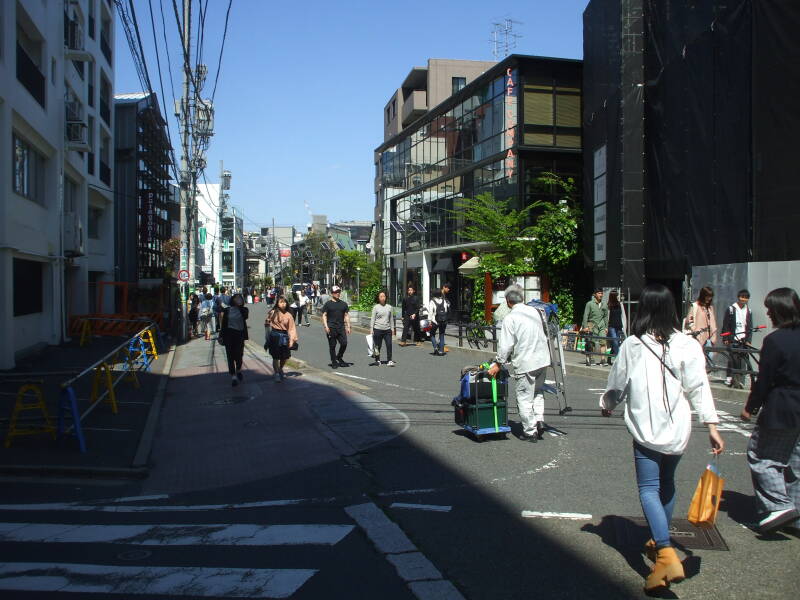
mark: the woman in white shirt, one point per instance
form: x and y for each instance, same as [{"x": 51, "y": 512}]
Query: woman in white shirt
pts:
[{"x": 660, "y": 372}]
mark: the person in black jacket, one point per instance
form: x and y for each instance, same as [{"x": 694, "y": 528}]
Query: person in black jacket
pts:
[
  {"x": 737, "y": 332},
  {"x": 234, "y": 332},
  {"x": 411, "y": 306},
  {"x": 773, "y": 452}
]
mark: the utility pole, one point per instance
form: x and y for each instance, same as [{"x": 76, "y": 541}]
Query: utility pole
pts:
[{"x": 187, "y": 202}]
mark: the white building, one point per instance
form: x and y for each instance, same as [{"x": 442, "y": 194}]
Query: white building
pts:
[
  {"x": 57, "y": 208},
  {"x": 209, "y": 252}
]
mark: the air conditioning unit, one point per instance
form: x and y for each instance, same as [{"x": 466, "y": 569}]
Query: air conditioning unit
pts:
[
  {"x": 74, "y": 111},
  {"x": 73, "y": 42},
  {"x": 77, "y": 137},
  {"x": 73, "y": 235}
]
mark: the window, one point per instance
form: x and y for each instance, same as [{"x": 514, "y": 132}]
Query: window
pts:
[
  {"x": 28, "y": 287},
  {"x": 27, "y": 171},
  {"x": 70, "y": 195},
  {"x": 95, "y": 215},
  {"x": 459, "y": 83}
]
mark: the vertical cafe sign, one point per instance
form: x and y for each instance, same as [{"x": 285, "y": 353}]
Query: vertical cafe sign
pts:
[
  {"x": 511, "y": 122},
  {"x": 147, "y": 219}
]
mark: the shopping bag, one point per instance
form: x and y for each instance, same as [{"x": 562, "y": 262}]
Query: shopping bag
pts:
[
  {"x": 705, "y": 502},
  {"x": 370, "y": 345}
]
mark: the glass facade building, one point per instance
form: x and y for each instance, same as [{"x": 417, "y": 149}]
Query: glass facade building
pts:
[{"x": 497, "y": 134}]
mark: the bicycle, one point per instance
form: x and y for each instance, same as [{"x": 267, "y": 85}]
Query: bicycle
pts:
[{"x": 476, "y": 335}]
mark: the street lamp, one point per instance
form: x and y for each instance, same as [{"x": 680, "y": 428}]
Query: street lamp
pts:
[{"x": 358, "y": 284}]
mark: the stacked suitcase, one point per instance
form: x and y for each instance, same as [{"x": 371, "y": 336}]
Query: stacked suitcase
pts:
[{"x": 481, "y": 406}]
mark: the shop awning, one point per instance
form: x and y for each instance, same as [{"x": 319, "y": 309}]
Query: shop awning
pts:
[
  {"x": 470, "y": 266},
  {"x": 443, "y": 265}
]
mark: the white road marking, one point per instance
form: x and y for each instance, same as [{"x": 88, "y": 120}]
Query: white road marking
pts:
[
  {"x": 535, "y": 514},
  {"x": 49, "y": 506},
  {"x": 139, "y": 498},
  {"x": 431, "y": 507},
  {"x": 411, "y": 565},
  {"x": 395, "y": 385},
  {"x": 176, "y": 534},
  {"x": 178, "y": 581}
]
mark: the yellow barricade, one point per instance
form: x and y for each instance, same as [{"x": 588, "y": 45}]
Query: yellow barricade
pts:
[{"x": 20, "y": 405}]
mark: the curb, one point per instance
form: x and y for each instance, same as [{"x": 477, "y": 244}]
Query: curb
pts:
[{"x": 148, "y": 433}]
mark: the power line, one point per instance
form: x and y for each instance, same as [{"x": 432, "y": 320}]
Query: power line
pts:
[{"x": 221, "y": 49}]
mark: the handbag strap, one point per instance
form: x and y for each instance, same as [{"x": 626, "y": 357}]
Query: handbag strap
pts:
[{"x": 661, "y": 360}]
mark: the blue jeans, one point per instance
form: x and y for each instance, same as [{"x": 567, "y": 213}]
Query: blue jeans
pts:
[
  {"x": 614, "y": 334},
  {"x": 438, "y": 328},
  {"x": 655, "y": 476}
]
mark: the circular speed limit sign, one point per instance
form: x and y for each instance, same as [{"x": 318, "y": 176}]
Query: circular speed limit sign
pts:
[{"x": 183, "y": 275}]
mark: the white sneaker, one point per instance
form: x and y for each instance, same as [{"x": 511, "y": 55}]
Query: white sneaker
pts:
[
  {"x": 776, "y": 519},
  {"x": 390, "y": 363},
  {"x": 728, "y": 381}
]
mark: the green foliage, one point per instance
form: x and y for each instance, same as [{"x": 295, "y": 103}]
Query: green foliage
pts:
[
  {"x": 476, "y": 313},
  {"x": 549, "y": 246},
  {"x": 366, "y": 299},
  {"x": 350, "y": 261}
]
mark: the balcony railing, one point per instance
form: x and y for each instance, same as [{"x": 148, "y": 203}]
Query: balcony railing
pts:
[
  {"x": 105, "y": 111},
  {"x": 29, "y": 75},
  {"x": 105, "y": 173},
  {"x": 106, "y": 49}
]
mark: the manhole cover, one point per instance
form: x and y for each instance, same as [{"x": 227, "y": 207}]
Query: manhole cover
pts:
[
  {"x": 135, "y": 555},
  {"x": 632, "y": 532},
  {"x": 230, "y": 400}
]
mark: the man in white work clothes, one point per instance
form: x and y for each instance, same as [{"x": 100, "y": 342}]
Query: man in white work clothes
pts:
[{"x": 523, "y": 343}]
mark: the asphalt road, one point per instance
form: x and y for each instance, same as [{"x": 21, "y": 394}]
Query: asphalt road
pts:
[
  {"x": 484, "y": 543},
  {"x": 498, "y": 519}
]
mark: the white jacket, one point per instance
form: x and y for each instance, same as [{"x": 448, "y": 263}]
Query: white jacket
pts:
[
  {"x": 638, "y": 376},
  {"x": 523, "y": 341},
  {"x": 432, "y": 308}
]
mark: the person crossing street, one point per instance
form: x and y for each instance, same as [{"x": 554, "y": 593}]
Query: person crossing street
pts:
[{"x": 336, "y": 321}]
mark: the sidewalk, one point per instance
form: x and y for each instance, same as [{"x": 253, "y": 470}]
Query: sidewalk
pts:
[{"x": 116, "y": 444}]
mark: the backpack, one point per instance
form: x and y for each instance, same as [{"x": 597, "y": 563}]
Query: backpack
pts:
[{"x": 442, "y": 313}]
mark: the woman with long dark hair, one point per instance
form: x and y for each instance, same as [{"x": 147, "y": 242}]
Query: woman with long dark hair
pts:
[
  {"x": 773, "y": 452},
  {"x": 661, "y": 374},
  {"x": 282, "y": 335},
  {"x": 233, "y": 330},
  {"x": 701, "y": 321},
  {"x": 615, "y": 323}
]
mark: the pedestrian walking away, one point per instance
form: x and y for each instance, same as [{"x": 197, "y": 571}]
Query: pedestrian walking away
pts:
[
  {"x": 410, "y": 314},
  {"x": 523, "y": 342},
  {"x": 660, "y": 374},
  {"x": 205, "y": 313},
  {"x": 336, "y": 322},
  {"x": 194, "y": 313},
  {"x": 616, "y": 323},
  {"x": 595, "y": 324},
  {"x": 737, "y": 332},
  {"x": 381, "y": 325},
  {"x": 221, "y": 302},
  {"x": 311, "y": 293},
  {"x": 773, "y": 452},
  {"x": 439, "y": 315},
  {"x": 234, "y": 334},
  {"x": 281, "y": 336}
]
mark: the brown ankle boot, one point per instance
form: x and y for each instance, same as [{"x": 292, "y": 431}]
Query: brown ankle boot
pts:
[
  {"x": 668, "y": 568},
  {"x": 650, "y": 550}
]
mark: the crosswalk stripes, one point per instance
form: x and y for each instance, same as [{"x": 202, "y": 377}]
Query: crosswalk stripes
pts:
[{"x": 68, "y": 542}]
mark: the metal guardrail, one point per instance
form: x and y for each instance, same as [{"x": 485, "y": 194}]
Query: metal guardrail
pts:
[{"x": 134, "y": 355}]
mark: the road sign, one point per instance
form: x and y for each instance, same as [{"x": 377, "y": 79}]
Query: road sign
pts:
[{"x": 183, "y": 275}]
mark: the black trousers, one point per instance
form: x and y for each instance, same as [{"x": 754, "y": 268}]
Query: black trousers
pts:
[
  {"x": 378, "y": 336},
  {"x": 337, "y": 335},
  {"x": 410, "y": 325},
  {"x": 234, "y": 349}
]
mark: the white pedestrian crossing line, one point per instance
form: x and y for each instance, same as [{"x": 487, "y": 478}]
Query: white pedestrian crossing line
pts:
[
  {"x": 65, "y": 506},
  {"x": 393, "y": 385},
  {"x": 429, "y": 507},
  {"x": 535, "y": 514},
  {"x": 178, "y": 581},
  {"x": 176, "y": 534}
]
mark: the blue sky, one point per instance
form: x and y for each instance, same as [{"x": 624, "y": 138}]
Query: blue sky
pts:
[{"x": 299, "y": 104}]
